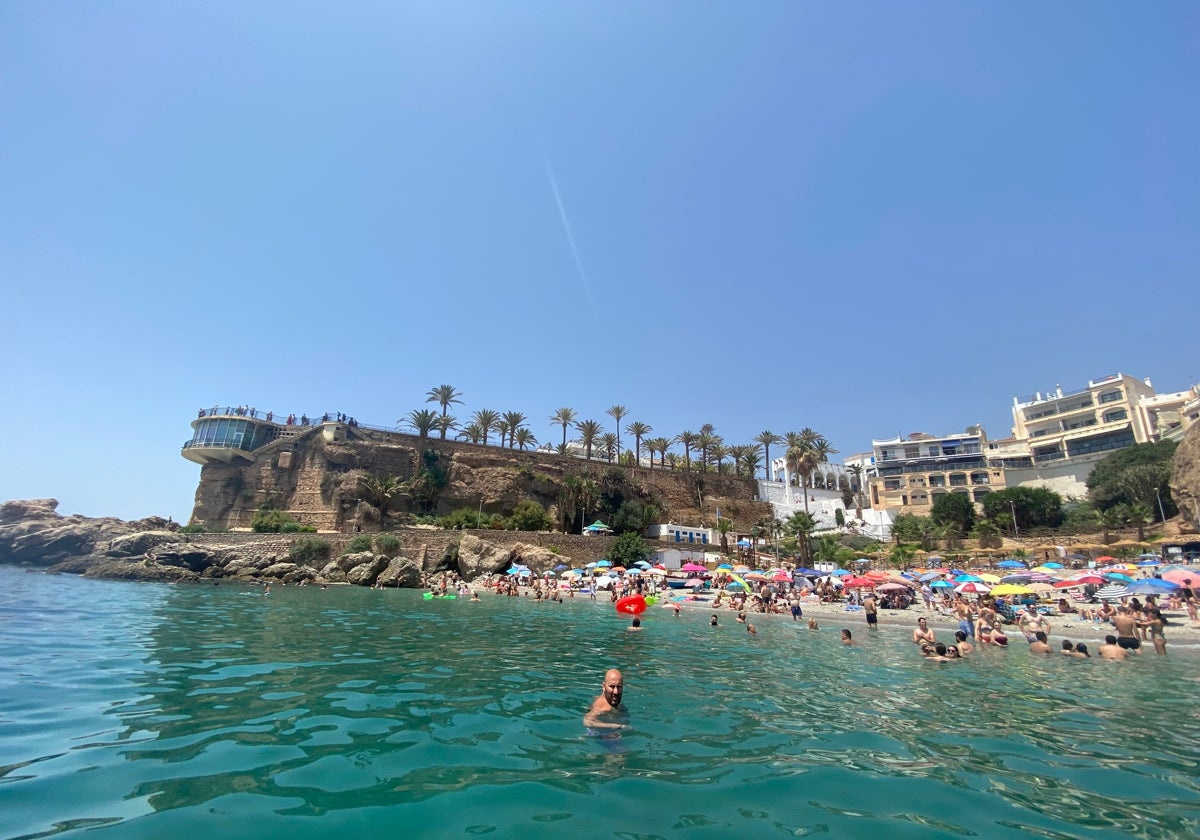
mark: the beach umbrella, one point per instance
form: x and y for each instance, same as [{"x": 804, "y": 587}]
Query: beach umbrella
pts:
[
  {"x": 1011, "y": 589},
  {"x": 841, "y": 573},
  {"x": 693, "y": 567},
  {"x": 690, "y": 582},
  {"x": 725, "y": 567},
  {"x": 1104, "y": 558},
  {"x": 604, "y": 563},
  {"x": 965, "y": 578},
  {"x": 1010, "y": 564},
  {"x": 987, "y": 578},
  {"x": 1041, "y": 577},
  {"x": 1016, "y": 578},
  {"x": 658, "y": 572},
  {"x": 805, "y": 572},
  {"x": 740, "y": 569},
  {"x": 1182, "y": 575},
  {"x": 550, "y": 573},
  {"x": 1041, "y": 588},
  {"x": 1151, "y": 586},
  {"x": 1118, "y": 577},
  {"x": 735, "y": 586},
  {"x": 941, "y": 584},
  {"x": 560, "y": 567},
  {"x": 1112, "y": 592},
  {"x": 863, "y": 561},
  {"x": 858, "y": 583},
  {"x": 743, "y": 543},
  {"x": 891, "y": 587},
  {"x": 1154, "y": 562},
  {"x": 929, "y": 576},
  {"x": 972, "y": 588},
  {"x": 781, "y": 577},
  {"x": 754, "y": 576}
]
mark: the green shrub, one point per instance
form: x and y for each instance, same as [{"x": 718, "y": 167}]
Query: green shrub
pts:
[
  {"x": 310, "y": 552},
  {"x": 296, "y": 528},
  {"x": 360, "y": 543},
  {"x": 528, "y": 515},
  {"x": 268, "y": 521},
  {"x": 193, "y": 529},
  {"x": 387, "y": 544}
]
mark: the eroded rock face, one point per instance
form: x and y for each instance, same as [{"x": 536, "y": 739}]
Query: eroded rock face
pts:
[
  {"x": 1185, "y": 479},
  {"x": 402, "y": 572},
  {"x": 369, "y": 567},
  {"x": 478, "y": 557}
]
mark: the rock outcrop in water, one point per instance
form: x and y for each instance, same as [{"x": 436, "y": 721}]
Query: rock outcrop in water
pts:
[{"x": 34, "y": 534}]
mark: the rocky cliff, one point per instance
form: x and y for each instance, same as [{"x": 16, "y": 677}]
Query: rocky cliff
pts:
[
  {"x": 1185, "y": 477},
  {"x": 316, "y": 478},
  {"x": 34, "y": 534}
]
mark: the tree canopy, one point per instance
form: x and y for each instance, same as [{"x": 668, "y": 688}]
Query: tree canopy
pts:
[
  {"x": 1035, "y": 507},
  {"x": 955, "y": 510},
  {"x": 1135, "y": 475}
]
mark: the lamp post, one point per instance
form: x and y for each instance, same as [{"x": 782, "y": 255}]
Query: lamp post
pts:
[
  {"x": 479, "y": 515},
  {"x": 1162, "y": 514},
  {"x": 1013, "y": 507}
]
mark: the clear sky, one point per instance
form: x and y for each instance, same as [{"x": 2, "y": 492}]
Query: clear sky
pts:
[{"x": 860, "y": 217}]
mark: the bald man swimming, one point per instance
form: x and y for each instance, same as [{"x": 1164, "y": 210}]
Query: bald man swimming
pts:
[{"x": 606, "y": 717}]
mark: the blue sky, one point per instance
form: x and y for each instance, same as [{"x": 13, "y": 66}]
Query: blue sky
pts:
[{"x": 860, "y": 217}]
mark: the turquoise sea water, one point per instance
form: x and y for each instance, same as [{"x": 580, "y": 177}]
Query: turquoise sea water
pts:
[{"x": 143, "y": 710}]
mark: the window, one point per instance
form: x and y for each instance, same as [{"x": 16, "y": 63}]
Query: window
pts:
[
  {"x": 1115, "y": 415},
  {"x": 1110, "y": 396},
  {"x": 912, "y": 452}
]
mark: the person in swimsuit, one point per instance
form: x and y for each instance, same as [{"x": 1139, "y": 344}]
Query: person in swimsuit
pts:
[
  {"x": 606, "y": 717},
  {"x": 1154, "y": 623},
  {"x": 872, "y": 610},
  {"x": 1127, "y": 630},
  {"x": 923, "y": 633}
]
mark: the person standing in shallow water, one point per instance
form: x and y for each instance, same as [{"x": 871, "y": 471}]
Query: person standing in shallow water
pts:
[{"x": 872, "y": 609}]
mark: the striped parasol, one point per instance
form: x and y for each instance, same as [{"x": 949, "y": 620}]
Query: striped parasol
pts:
[{"x": 1113, "y": 592}]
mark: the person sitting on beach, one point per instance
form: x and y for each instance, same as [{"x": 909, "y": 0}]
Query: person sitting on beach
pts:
[
  {"x": 1106, "y": 612},
  {"x": 606, "y": 712},
  {"x": 1039, "y": 643},
  {"x": 922, "y": 633},
  {"x": 1110, "y": 649},
  {"x": 964, "y": 646}
]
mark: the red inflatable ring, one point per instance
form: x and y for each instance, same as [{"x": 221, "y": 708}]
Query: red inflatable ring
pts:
[{"x": 631, "y": 604}]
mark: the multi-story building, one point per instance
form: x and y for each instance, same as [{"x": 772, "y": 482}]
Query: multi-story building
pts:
[
  {"x": 1067, "y": 434},
  {"x": 1057, "y": 439},
  {"x": 911, "y": 472}
]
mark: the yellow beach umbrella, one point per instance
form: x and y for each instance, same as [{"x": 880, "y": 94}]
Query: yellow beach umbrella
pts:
[
  {"x": 1011, "y": 589},
  {"x": 989, "y": 578}
]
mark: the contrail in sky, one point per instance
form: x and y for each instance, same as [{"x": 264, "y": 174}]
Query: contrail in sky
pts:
[{"x": 566, "y": 223}]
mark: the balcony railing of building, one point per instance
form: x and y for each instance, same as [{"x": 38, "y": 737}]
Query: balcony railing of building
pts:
[{"x": 1049, "y": 456}]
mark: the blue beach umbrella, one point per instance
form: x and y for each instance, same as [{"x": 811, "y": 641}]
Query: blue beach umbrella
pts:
[
  {"x": 1152, "y": 586},
  {"x": 604, "y": 563},
  {"x": 1053, "y": 565},
  {"x": 840, "y": 573},
  {"x": 560, "y": 567},
  {"x": 725, "y": 567},
  {"x": 1010, "y": 564},
  {"x": 941, "y": 584},
  {"x": 930, "y": 576},
  {"x": 1118, "y": 577},
  {"x": 964, "y": 578}
]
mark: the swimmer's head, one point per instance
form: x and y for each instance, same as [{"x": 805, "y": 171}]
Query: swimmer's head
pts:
[{"x": 614, "y": 687}]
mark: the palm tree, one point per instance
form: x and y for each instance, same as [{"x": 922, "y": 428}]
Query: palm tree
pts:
[
  {"x": 719, "y": 453},
  {"x": 501, "y": 428},
  {"x": 751, "y": 458},
  {"x": 444, "y": 395},
  {"x": 801, "y": 461},
  {"x": 856, "y": 470},
  {"x": 639, "y": 430},
  {"x": 618, "y": 413},
  {"x": 515, "y": 420},
  {"x": 736, "y": 453},
  {"x": 768, "y": 439},
  {"x": 589, "y": 431},
  {"x": 609, "y": 445},
  {"x": 687, "y": 440},
  {"x": 1140, "y": 515},
  {"x": 523, "y": 437},
  {"x": 801, "y": 526},
  {"x": 486, "y": 420},
  {"x": 445, "y": 423},
  {"x": 380, "y": 491},
  {"x": 421, "y": 420},
  {"x": 563, "y": 417},
  {"x": 724, "y": 526},
  {"x": 472, "y": 432},
  {"x": 672, "y": 460}
]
